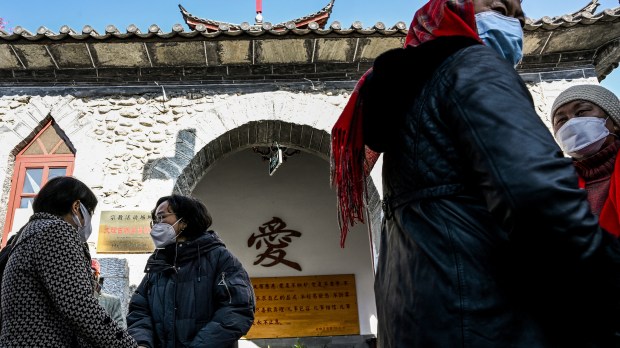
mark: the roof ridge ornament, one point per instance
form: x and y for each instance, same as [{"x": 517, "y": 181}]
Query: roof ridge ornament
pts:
[
  {"x": 258, "y": 20},
  {"x": 585, "y": 15},
  {"x": 589, "y": 8},
  {"x": 585, "y": 12},
  {"x": 321, "y": 17}
]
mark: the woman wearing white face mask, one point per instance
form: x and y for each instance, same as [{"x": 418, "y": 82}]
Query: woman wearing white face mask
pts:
[
  {"x": 194, "y": 276},
  {"x": 586, "y": 121},
  {"x": 47, "y": 288}
]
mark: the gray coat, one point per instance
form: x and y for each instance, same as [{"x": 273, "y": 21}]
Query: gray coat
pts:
[{"x": 114, "y": 307}]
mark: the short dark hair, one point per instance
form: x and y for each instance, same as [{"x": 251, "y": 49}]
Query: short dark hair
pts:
[
  {"x": 193, "y": 212},
  {"x": 57, "y": 195}
]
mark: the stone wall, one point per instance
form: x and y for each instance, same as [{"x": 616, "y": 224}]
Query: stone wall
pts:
[
  {"x": 130, "y": 150},
  {"x": 133, "y": 149}
]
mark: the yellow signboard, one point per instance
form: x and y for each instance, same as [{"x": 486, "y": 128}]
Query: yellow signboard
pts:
[
  {"x": 305, "y": 306},
  {"x": 125, "y": 232}
]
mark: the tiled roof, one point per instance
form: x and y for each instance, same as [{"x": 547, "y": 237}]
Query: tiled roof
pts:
[
  {"x": 579, "y": 39},
  {"x": 585, "y": 16},
  {"x": 132, "y": 32}
]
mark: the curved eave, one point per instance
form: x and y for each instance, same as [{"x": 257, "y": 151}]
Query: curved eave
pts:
[
  {"x": 211, "y": 25},
  {"x": 582, "y": 37},
  {"x": 321, "y": 17},
  {"x": 567, "y": 21}
]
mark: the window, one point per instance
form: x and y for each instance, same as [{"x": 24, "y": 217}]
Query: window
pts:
[{"x": 47, "y": 156}]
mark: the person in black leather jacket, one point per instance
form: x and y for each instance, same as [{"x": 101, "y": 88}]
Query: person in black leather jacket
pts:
[
  {"x": 487, "y": 239},
  {"x": 195, "y": 292}
]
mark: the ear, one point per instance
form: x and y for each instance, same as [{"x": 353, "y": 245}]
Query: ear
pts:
[
  {"x": 75, "y": 207},
  {"x": 182, "y": 225}
]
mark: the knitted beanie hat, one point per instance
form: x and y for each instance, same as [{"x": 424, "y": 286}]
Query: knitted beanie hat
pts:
[{"x": 596, "y": 94}]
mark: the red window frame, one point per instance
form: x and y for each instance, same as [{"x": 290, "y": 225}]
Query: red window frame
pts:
[{"x": 24, "y": 162}]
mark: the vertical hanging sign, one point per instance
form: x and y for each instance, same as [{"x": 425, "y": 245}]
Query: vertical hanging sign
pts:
[{"x": 275, "y": 160}]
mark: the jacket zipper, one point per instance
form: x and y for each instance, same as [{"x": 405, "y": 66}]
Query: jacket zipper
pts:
[
  {"x": 226, "y": 286},
  {"x": 174, "y": 297}
]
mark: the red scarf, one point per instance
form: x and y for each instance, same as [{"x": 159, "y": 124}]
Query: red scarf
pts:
[
  {"x": 351, "y": 160},
  {"x": 609, "y": 219}
]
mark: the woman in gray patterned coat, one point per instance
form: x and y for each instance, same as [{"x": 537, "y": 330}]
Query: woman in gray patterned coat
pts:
[
  {"x": 47, "y": 289},
  {"x": 195, "y": 292}
]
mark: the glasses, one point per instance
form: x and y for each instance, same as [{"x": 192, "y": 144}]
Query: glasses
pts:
[{"x": 159, "y": 218}]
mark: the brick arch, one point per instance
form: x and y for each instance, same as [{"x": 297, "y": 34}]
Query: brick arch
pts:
[{"x": 265, "y": 133}]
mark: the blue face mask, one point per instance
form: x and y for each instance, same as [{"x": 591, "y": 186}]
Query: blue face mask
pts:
[{"x": 501, "y": 33}]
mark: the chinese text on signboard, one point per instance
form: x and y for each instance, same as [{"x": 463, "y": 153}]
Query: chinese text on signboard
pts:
[
  {"x": 305, "y": 306},
  {"x": 122, "y": 232}
]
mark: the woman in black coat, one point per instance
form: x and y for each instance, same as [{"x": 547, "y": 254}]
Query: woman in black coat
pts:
[
  {"x": 487, "y": 239},
  {"x": 195, "y": 292}
]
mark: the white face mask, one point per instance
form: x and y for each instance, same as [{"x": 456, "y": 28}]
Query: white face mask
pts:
[
  {"x": 86, "y": 229},
  {"x": 163, "y": 234},
  {"x": 582, "y": 136}
]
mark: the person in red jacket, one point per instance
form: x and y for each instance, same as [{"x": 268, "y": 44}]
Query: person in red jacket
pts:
[{"x": 586, "y": 124}]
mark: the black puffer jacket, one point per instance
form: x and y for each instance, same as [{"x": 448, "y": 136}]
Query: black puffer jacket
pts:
[
  {"x": 203, "y": 299},
  {"x": 487, "y": 240}
]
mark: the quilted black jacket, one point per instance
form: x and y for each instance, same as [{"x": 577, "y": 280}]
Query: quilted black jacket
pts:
[
  {"x": 487, "y": 241},
  {"x": 47, "y": 292},
  {"x": 203, "y": 299}
]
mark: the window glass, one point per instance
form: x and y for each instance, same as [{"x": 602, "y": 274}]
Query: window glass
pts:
[
  {"x": 54, "y": 172},
  {"x": 26, "y": 202},
  {"x": 32, "y": 181}
]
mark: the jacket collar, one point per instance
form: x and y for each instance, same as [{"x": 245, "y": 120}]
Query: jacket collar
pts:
[{"x": 164, "y": 259}]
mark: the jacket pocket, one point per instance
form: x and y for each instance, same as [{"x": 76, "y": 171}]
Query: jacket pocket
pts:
[{"x": 237, "y": 288}]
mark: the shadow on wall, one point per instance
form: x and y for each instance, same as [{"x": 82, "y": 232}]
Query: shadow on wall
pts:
[{"x": 164, "y": 168}]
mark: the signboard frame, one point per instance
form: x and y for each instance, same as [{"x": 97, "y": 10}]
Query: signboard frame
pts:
[
  {"x": 304, "y": 306},
  {"x": 125, "y": 232}
]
